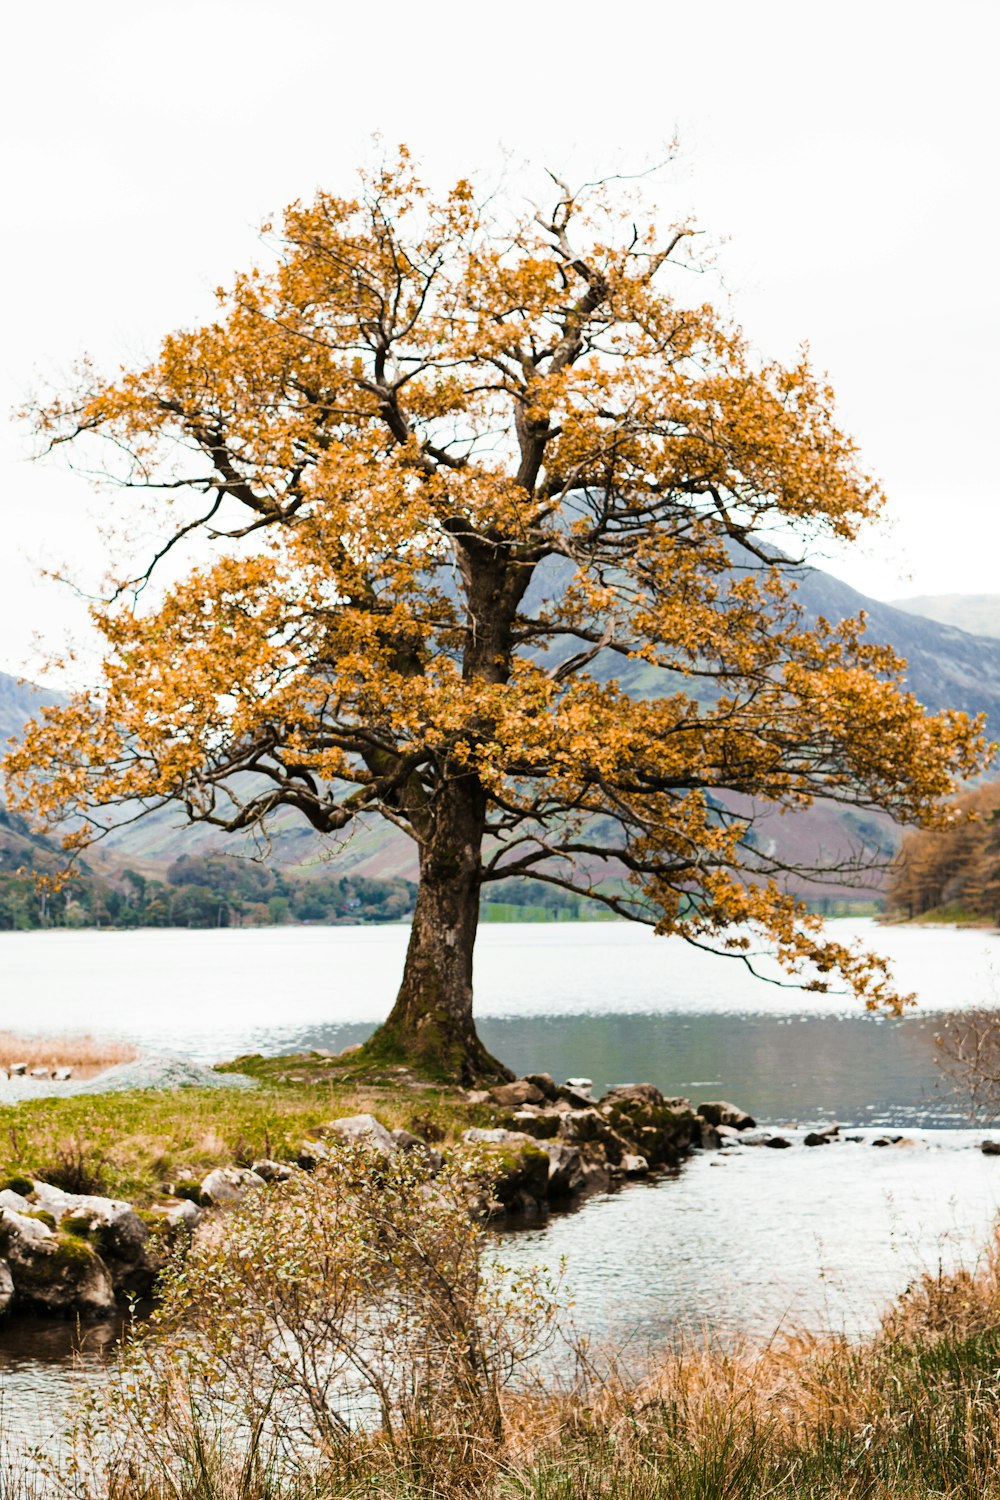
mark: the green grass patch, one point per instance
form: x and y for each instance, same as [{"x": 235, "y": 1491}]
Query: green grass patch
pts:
[{"x": 137, "y": 1144}]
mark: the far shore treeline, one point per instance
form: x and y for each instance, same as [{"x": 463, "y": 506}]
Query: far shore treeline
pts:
[{"x": 222, "y": 891}]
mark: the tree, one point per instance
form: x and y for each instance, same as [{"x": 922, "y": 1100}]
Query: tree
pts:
[{"x": 470, "y": 473}]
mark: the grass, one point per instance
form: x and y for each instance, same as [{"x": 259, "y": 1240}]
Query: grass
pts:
[
  {"x": 135, "y": 1145},
  {"x": 954, "y": 914},
  {"x": 910, "y": 1414},
  {"x": 81, "y": 1053}
]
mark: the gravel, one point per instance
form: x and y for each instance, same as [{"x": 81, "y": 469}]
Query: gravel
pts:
[{"x": 163, "y": 1072}]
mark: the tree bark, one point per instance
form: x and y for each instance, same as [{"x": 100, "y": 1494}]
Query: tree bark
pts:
[{"x": 431, "y": 1022}]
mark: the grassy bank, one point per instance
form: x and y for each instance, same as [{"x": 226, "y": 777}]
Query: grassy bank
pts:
[
  {"x": 912, "y": 1413},
  {"x": 133, "y": 1145}
]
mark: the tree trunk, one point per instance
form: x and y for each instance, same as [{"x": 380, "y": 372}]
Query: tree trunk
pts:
[{"x": 431, "y": 1022}]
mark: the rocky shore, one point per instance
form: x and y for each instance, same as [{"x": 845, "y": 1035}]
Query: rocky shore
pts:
[{"x": 80, "y": 1255}]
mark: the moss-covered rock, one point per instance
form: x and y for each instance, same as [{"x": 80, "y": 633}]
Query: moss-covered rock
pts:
[
  {"x": 519, "y": 1167},
  {"x": 661, "y": 1130},
  {"x": 53, "y": 1271}
]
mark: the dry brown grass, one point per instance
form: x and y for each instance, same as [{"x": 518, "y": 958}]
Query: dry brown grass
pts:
[{"x": 85, "y": 1055}]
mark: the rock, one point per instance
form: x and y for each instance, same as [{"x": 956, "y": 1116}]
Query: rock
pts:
[
  {"x": 229, "y": 1185},
  {"x": 62, "y": 1075},
  {"x": 777, "y": 1142},
  {"x": 362, "y": 1130},
  {"x": 583, "y": 1084},
  {"x": 478, "y": 1096},
  {"x": 728, "y": 1133},
  {"x": 661, "y": 1130},
  {"x": 582, "y": 1124},
  {"x": 887, "y": 1140},
  {"x": 565, "y": 1169},
  {"x": 720, "y": 1112},
  {"x": 18, "y": 1070},
  {"x": 497, "y": 1135},
  {"x": 634, "y": 1166},
  {"x": 988, "y": 1148},
  {"x": 709, "y": 1138},
  {"x": 522, "y": 1167},
  {"x": 54, "y": 1272},
  {"x": 542, "y": 1124},
  {"x": 575, "y": 1098},
  {"x": 181, "y": 1213},
  {"x": 12, "y": 1200},
  {"x": 518, "y": 1092},
  {"x": 273, "y": 1171},
  {"x": 543, "y": 1081},
  {"x": 351, "y": 1050},
  {"x": 39, "y": 1073},
  {"x": 6, "y": 1287},
  {"x": 416, "y": 1145},
  {"x": 311, "y": 1154},
  {"x": 114, "y": 1229},
  {"x": 640, "y": 1093},
  {"x": 817, "y": 1138}
]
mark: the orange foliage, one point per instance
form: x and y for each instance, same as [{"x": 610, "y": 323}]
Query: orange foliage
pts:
[{"x": 464, "y": 467}]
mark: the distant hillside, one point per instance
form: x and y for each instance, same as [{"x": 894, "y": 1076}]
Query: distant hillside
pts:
[
  {"x": 18, "y": 701},
  {"x": 979, "y": 614},
  {"x": 947, "y": 668}
]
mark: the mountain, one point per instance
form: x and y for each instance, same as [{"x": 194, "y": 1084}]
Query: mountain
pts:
[
  {"x": 18, "y": 701},
  {"x": 947, "y": 667},
  {"x": 979, "y": 614}
]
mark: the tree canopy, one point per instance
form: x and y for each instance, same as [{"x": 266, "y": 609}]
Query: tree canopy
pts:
[{"x": 461, "y": 470}]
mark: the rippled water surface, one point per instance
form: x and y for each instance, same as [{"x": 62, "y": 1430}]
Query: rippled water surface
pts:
[{"x": 738, "y": 1243}]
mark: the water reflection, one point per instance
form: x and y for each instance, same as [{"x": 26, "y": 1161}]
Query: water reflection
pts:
[{"x": 862, "y": 1070}]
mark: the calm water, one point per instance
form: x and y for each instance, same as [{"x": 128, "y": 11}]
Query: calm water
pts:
[{"x": 737, "y": 1243}]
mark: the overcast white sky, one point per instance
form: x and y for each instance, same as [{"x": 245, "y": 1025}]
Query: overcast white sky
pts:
[{"x": 846, "y": 153}]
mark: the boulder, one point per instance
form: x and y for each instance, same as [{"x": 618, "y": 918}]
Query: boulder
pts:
[
  {"x": 62, "y": 1075},
  {"x": 18, "y": 1070},
  {"x": 636, "y": 1093},
  {"x": 272, "y": 1171},
  {"x": 565, "y": 1169},
  {"x": 583, "y": 1084},
  {"x": 6, "y": 1287},
  {"x": 520, "y": 1164},
  {"x": 661, "y": 1130},
  {"x": 52, "y": 1271},
  {"x": 229, "y": 1185},
  {"x": 311, "y": 1154},
  {"x": 362, "y": 1130},
  {"x": 114, "y": 1229},
  {"x": 39, "y": 1073},
  {"x": 575, "y": 1098},
  {"x": 720, "y": 1112},
  {"x": 543, "y": 1124},
  {"x": 543, "y": 1081},
  {"x": 478, "y": 1096},
  {"x": 634, "y": 1166},
  {"x": 416, "y": 1145},
  {"x": 990, "y": 1148},
  {"x": 351, "y": 1050},
  {"x": 709, "y": 1138},
  {"x": 180, "y": 1214},
  {"x": 817, "y": 1138},
  {"x": 518, "y": 1092},
  {"x": 777, "y": 1142}
]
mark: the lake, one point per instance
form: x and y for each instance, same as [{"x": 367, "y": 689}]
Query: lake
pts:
[{"x": 736, "y": 1244}]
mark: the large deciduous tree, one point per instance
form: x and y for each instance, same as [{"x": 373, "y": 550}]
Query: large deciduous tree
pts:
[{"x": 464, "y": 473}]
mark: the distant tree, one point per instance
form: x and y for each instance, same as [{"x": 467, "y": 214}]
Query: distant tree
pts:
[
  {"x": 463, "y": 467},
  {"x": 957, "y": 865}
]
